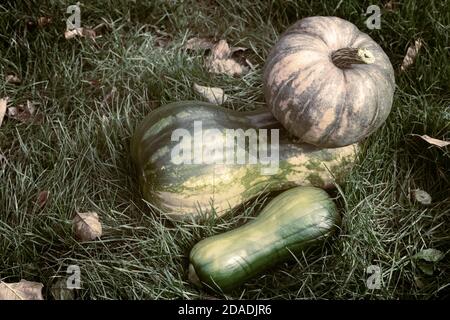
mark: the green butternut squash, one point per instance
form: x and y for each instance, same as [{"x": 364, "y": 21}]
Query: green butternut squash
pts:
[
  {"x": 181, "y": 189},
  {"x": 291, "y": 222}
]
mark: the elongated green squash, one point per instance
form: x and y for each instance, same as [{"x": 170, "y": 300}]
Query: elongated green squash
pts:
[
  {"x": 183, "y": 190},
  {"x": 292, "y": 221}
]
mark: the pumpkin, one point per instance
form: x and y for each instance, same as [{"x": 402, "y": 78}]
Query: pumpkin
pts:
[
  {"x": 328, "y": 83},
  {"x": 185, "y": 190},
  {"x": 290, "y": 223}
]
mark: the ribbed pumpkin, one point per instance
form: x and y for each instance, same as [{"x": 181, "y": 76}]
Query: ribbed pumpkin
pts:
[{"x": 328, "y": 83}]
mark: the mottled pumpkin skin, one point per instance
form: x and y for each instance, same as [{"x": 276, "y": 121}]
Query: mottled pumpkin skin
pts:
[{"x": 317, "y": 101}]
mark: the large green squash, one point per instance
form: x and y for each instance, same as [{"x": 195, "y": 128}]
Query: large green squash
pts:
[
  {"x": 291, "y": 222},
  {"x": 185, "y": 190},
  {"x": 328, "y": 83}
]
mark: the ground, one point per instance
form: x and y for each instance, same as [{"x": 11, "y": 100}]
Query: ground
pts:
[{"x": 79, "y": 152}]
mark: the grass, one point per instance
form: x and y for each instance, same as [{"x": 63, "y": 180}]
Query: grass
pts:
[{"x": 81, "y": 151}]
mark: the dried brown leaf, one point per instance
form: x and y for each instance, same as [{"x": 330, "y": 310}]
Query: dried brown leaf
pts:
[
  {"x": 30, "y": 107},
  {"x": 226, "y": 66},
  {"x": 220, "y": 50},
  {"x": 220, "y": 61},
  {"x": 80, "y": 32},
  {"x": 23, "y": 290},
  {"x": 77, "y": 32},
  {"x": 433, "y": 141},
  {"x": 3, "y": 107},
  {"x": 87, "y": 226},
  {"x": 411, "y": 54},
  {"x": 42, "y": 198},
  {"x": 421, "y": 196},
  {"x": 198, "y": 44},
  {"x": 211, "y": 94},
  {"x": 25, "y": 114},
  {"x": 12, "y": 112},
  {"x": 44, "y": 21},
  {"x": 89, "y": 33},
  {"x": 391, "y": 5},
  {"x": 13, "y": 79}
]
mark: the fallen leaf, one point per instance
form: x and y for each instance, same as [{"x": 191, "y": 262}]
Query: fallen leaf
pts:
[
  {"x": 12, "y": 112},
  {"x": 69, "y": 34},
  {"x": 391, "y": 5},
  {"x": 23, "y": 290},
  {"x": 226, "y": 66},
  {"x": 197, "y": 44},
  {"x": 211, "y": 94},
  {"x": 433, "y": 141},
  {"x": 60, "y": 291},
  {"x": 421, "y": 196},
  {"x": 220, "y": 61},
  {"x": 238, "y": 55},
  {"x": 3, "y": 107},
  {"x": 25, "y": 114},
  {"x": 87, "y": 226},
  {"x": 44, "y": 21},
  {"x": 42, "y": 198},
  {"x": 30, "y": 107},
  {"x": 427, "y": 260},
  {"x": 89, "y": 33},
  {"x": 429, "y": 255},
  {"x": 221, "y": 50},
  {"x": 80, "y": 32},
  {"x": 411, "y": 54},
  {"x": 13, "y": 79}
]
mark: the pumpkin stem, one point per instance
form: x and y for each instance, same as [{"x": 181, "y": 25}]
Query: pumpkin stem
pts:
[{"x": 345, "y": 57}]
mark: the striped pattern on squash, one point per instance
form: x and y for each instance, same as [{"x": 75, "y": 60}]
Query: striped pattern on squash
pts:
[{"x": 190, "y": 190}]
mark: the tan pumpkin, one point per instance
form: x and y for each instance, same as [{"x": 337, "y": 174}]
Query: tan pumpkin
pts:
[{"x": 328, "y": 83}]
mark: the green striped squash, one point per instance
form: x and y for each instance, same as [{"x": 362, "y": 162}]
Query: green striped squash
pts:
[
  {"x": 290, "y": 223},
  {"x": 193, "y": 190}
]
